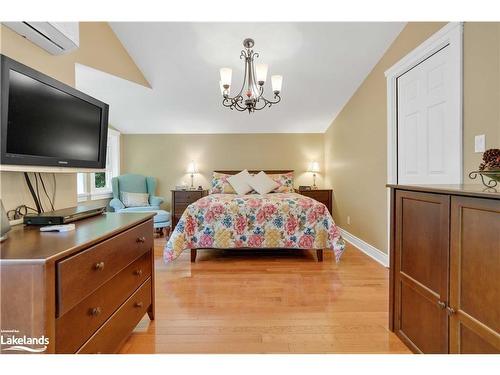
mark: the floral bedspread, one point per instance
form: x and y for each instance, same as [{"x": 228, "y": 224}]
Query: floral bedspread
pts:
[{"x": 277, "y": 220}]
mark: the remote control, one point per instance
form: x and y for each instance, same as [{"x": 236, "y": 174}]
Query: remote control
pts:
[{"x": 58, "y": 228}]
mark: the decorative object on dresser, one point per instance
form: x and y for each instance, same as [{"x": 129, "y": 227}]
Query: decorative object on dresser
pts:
[
  {"x": 490, "y": 167},
  {"x": 83, "y": 290},
  {"x": 445, "y": 260},
  {"x": 314, "y": 168},
  {"x": 181, "y": 199},
  {"x": 324, "y": 196}
]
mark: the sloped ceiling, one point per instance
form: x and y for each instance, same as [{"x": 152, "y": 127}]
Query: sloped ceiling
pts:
[{"x": 322, "y": 64}]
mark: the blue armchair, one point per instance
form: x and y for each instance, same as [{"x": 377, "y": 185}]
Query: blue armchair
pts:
[{"x": 136, "y": 183}]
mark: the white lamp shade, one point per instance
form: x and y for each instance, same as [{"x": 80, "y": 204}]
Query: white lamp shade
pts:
[
  {"x": 276, "y": 83},
  {"x": 314, "y": 167},
  {"x": 261, "y": 72},
  {"x": 225, "y": 76},
  {"x": 192, "y": 168}
]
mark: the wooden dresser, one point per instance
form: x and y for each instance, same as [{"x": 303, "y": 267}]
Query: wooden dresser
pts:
[
  {"x": 181, "y": 199},
  {"x": 324, "y": 196},
  {"x": 445, "y": 267},
  {"x": 84, "y": 290}
]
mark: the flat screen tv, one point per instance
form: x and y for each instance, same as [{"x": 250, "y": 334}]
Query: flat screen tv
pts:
[{"x": 47, "y": 123}]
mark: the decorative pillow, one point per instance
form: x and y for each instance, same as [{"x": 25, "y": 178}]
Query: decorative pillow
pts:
[
  {"x": 284, "y": 181},
  {"x": 241, "y": 182},
  {"x": 220, "y": 185},
  {"x": 135, "y": 199},
  {"x": 262, "y": 183}
]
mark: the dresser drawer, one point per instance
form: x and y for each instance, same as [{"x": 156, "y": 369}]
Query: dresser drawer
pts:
[
  {"x": 320, "y": 196},
  {"x": 179, "y": 210},
  {"x": 81, "y": 274},
  {"x": 108, "y": 338},
  {"x": 187, "y": 197},
  {"x": 94, "y": 310}
]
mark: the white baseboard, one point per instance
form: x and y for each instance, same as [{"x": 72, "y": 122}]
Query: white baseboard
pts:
[{"x": 366, "y": 248}]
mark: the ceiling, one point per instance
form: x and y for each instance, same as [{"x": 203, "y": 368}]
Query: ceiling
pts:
[{"x": 322, "y": 66}]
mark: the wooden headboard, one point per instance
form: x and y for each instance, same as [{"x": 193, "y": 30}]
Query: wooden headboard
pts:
[{"x": 266, "y": 171}]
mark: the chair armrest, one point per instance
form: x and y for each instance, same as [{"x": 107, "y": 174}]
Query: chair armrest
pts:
[
  {"x": 116, "y": 204},
  {"x": 155, "y": 201}
]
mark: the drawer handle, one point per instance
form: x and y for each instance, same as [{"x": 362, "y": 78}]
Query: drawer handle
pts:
[
  {"x": 138, "y": 272},
  {"x": 441, "y": 305},
  {"x": 99, "y": 266},
  {"x": 141, "y": 239},
  {"x": 138, "y": 304},
  {"x": 95, "y": 311},
  {"x": 450, "y": 310}
]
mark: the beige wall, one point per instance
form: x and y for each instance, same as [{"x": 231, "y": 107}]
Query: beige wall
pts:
[
  {"x": 355, "y": 143},
  {"x": 166, "y": 156},
  {"x": 481, "y": 90},
  {"x": 100, "y": 49}
]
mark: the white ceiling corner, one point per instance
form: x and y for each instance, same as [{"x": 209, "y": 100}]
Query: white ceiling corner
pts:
[{"x": 322, "y": 66}]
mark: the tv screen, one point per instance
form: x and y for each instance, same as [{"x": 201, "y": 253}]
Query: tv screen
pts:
[{"x": 45, "y": 122}]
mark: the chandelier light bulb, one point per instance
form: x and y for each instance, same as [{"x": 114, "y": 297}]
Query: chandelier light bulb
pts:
[
  {"x": 225, "y": 76},
  {"x": 261, "y": 73},
  {"x": 276, "y": 81}
]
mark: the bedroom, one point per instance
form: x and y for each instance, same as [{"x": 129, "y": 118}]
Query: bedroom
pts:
[{"x": 255, "y": 229}]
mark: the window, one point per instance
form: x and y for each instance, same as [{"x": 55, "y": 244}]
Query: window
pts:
[{"x": 98, "y": 185}]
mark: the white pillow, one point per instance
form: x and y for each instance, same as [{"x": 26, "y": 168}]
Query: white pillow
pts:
[
  {"x": 135, "y": 199},
  {"x": 240, "y": 182},
  {"x": 262, "y": 183}
]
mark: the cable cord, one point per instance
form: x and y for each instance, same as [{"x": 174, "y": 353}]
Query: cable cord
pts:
[
  {"x": 38, "y": 192},
  {"x": 19, "y": 212},
  {"x": 32, "y": 191},
  {"x": 45, "y": 191},
  {"x": 54, "y": 186}
]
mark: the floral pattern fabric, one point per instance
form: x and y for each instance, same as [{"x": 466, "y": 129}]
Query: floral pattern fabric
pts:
[
  {"x": 220, "y": 184},
  {"x": 285, "y": 182},
  {"x": 276, "y": 220}
]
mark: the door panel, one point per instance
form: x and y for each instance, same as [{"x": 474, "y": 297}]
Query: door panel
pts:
[
  {"x": 421, "y": 270},
  {"x": 429, "y": 127},
  {"x": 474, "y": 275},
  {"x": 421, "y": 320}
]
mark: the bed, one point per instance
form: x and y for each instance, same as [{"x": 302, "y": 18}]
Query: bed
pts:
[{"x": 278, "y": 220}]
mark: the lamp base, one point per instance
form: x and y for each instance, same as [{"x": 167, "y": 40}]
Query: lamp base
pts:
[{"x": 314, "y": 187}]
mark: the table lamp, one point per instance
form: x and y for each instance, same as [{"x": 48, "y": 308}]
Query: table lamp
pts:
[
  {"x": 192, "y": 170},
  {"x": 314, "y": 168}
]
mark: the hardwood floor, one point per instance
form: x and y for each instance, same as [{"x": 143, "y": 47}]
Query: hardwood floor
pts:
[{"x": 270, "y": 301}]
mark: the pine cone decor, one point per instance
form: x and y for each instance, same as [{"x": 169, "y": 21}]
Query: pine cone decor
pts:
[{"x": 491, "y": 160}]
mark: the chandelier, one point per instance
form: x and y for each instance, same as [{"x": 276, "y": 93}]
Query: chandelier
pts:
[{"x": 251, "y": 96}]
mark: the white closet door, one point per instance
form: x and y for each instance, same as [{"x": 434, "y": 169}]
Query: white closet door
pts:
[{"x": 429, "y": 127}]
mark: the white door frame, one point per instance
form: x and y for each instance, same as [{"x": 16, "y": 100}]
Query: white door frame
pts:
[{"x": 452, "y": 35}]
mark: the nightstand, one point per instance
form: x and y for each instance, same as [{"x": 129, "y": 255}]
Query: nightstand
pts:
[
  {"x": 181, "y": 199},
  {"x": 321, "y": 195}
]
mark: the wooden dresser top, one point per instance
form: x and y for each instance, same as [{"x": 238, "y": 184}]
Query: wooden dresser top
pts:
[
  {"x": 28, "y": 244},
  {"x": 471, "y": 190}
]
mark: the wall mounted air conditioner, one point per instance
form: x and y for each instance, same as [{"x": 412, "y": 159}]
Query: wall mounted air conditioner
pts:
[{"x": 54, "y": 37}]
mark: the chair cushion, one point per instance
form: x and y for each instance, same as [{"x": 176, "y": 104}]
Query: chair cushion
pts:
[
  {"x": 134, "y": 199},
  {"x": 160, "y": 217},
  {"x": 140, "y": 209}
]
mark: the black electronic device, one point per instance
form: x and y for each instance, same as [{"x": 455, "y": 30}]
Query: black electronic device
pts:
[
  {"x": 45, "y": 122},
  {"x": 64, "y": 216}
]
